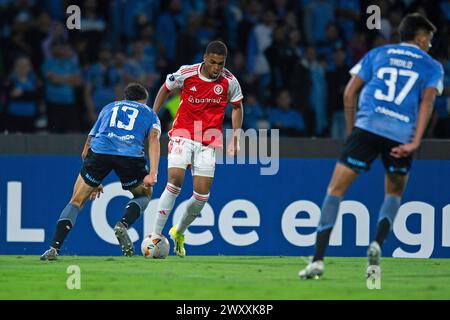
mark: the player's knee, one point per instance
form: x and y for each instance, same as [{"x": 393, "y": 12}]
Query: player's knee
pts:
[
  {"x": 175, "y": 181},
  {"x": 336, "y": 190}
]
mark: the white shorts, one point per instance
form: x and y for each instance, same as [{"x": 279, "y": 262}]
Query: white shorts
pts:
[{"x": 184, "y": 152}]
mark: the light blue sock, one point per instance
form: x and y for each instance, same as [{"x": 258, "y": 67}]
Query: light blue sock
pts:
[
  {"x": 389, "y": 208},
  {"x": 330, "y": 209}
]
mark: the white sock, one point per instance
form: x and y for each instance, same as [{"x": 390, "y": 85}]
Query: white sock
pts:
[
  {"x": 165, "y": 206},
  {"x": 194, "y": 206}
]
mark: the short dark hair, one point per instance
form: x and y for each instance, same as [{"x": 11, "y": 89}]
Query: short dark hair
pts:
[
  {"x": 135, "y": 91},
  {"x": 217, "y": 47},
  {"x": 413, "y": 23}
]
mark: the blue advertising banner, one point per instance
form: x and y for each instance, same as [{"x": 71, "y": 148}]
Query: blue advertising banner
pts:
[{"x": 247, "y": 213}]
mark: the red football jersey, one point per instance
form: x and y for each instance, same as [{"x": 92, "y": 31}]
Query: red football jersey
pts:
[{"x": 203, "y": 101}]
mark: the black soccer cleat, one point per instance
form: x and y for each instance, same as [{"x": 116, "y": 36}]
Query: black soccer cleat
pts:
[{"x": 126, "y": 245}]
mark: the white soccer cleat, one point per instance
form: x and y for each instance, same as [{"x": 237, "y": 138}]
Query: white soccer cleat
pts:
[
  {"x": 374, "y": 254},
  {"x": 313, "y": 270},
  {"x": 373, "y": 257}
]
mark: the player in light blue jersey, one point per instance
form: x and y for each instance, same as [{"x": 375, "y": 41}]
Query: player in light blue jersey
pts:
[
  {"x": 399, "y": 84},
  {"x": 116, "y": 142}
]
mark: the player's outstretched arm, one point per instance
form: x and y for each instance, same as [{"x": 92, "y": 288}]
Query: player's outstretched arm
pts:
[
  {"x": 425, "y": 111},
  {"x": 153, "y": 154},
  {"x": 350, "y": 100},
  {"x": 237, "y": 116},
  {"x": 160, "y": 98}
]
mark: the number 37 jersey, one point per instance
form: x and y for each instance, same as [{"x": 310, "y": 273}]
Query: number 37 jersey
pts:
[
  {"x": 122, "y": 127},
  {"x": 395, "y": 78}
]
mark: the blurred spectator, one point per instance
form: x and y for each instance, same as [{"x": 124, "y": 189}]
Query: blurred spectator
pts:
[
  {"x": 253, "y": 114},
  {"x": 101, "y": 80},
  {"x": 316, "y": 16},
  {"x": 348, "y": 14},
  {"x": 252, "y": 10},
  {"x": 140, "y": 67},
  {"x": 260, "y": 39},
  {"x": 188, "y": 42},
  {"x": 167, "y": 31},
  {"x": 318, "y": 90},
  {"x": 336, "y": 82},
  {"x": 62, "y": 75},
  {"x": 57, "y": 33},
  {"x": 283, "y": 117},
  {"x": 23, "y": 93},
  {"x": 92, "y": 27}
]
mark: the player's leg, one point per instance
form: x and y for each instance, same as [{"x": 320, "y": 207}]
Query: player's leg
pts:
[
  {"x": 131, "y": 172},
  {"x": 66, "y": 221},
  {"x": 202, "y": 185},
  {"x": 341, "y": 180},
  {"x": 357, "y": 155},
  {"x": 202, "y": 173},
  {"x": 396, "y": 179},
  {"x": 168, "y": 197},
  {"x": 179, "y": 158}
]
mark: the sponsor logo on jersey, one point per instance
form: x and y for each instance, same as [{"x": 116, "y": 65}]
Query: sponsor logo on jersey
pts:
[
  {"x": 392, "y": 114},
  {"x": 193, "y": 89},
  {"x": 404, "y": 52},
  {"x": 204, "y": 100},
  {"x": 218, "y": 89}
]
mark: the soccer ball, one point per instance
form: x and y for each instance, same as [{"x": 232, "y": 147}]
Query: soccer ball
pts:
[{"x": 155, "y": 249}]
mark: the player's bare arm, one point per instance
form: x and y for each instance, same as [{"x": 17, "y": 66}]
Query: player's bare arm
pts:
[
  {"x": 350, "y": 101},
  {"x": 87, "y": 145},
  {"x": 153, "y": 154},
  {"x": 425, "y": 111},
  {"x": 237, "y": 116},
  {"x": 162, "y": 95}
]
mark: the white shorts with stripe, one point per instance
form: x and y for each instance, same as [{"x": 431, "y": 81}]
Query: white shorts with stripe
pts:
[{"x": 185, "y": 152}]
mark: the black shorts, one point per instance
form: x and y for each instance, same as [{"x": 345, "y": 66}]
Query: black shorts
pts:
[
  {"x": 130, "y": 170},
  {"x": 362, "y": 147}
]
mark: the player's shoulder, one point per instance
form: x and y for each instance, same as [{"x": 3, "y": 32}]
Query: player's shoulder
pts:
[
  {"x": 228, "y": 75},
  {"x": 189, "y": 69}
]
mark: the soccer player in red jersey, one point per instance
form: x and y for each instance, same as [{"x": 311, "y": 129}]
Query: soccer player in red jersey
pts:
[{"x": 206, "y": 89}]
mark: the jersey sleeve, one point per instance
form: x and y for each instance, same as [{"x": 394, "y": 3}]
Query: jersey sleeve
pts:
[
  {"x": 175, "y": 80},
  {"x": 436, "y": 79},
  {"x": 235, "y": 92},
  {"x": 96, "y": 126},
  {"x": 97, "y": 123},
  {"x": 363, "y": 68}
]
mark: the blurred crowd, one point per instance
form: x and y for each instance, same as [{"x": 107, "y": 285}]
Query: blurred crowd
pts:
[{"x": 291, "y": 57}]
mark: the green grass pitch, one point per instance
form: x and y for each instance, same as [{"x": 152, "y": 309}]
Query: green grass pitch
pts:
[{"x": 219, "y": 277}]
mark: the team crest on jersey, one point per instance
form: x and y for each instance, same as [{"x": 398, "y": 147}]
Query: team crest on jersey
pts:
[{"x": 218, "y": 89}]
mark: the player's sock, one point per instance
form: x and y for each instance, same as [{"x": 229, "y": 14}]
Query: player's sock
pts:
[
  {"x": 65, "y": 224},
  {"x": 388, "y": 211},
  {"x": 133, "y": 210},
  {"x": 165, "y": 206},
  {"x": 194, "y": 206},
  {"x": 330, "y": 209}
]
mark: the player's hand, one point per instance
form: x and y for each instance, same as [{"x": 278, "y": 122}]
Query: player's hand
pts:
[
  {"x": 150, "y": 179},
  {"x": 403, "y": 150},
  {"x": 96, "y": 193}
]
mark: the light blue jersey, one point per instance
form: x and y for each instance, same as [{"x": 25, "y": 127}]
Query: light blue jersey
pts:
[
  {"x": 122, "y": 127},
  {"x": 395, "y": 78}
]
